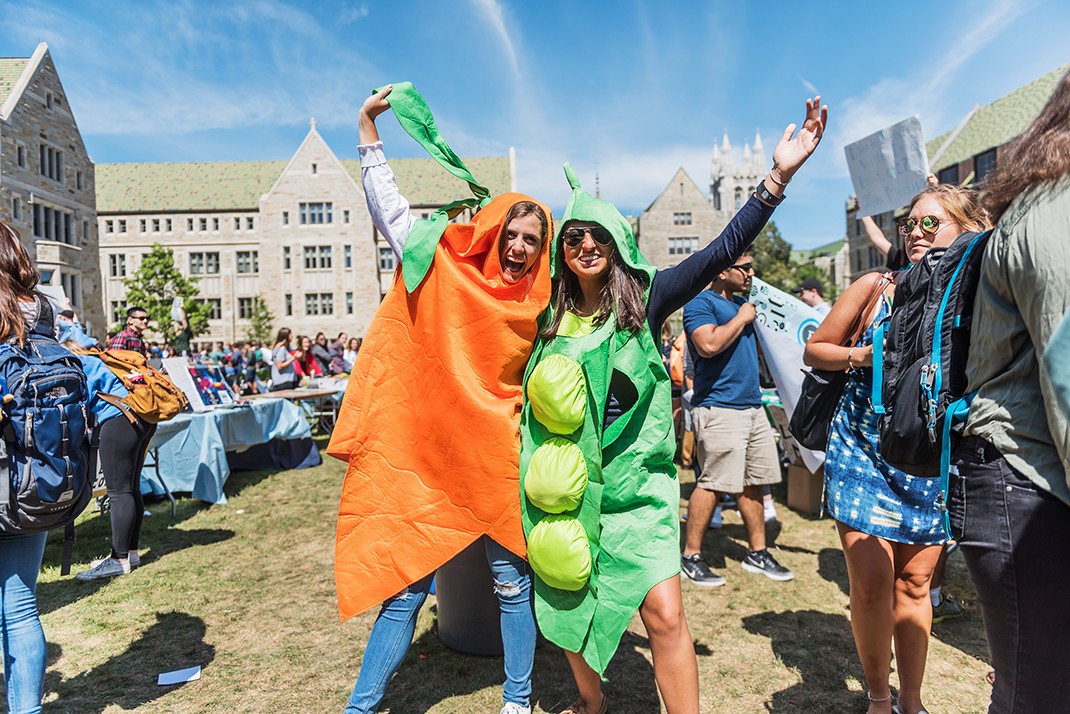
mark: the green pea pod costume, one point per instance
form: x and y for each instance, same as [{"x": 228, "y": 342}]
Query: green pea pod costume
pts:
[{"x": 596, "y": 556}]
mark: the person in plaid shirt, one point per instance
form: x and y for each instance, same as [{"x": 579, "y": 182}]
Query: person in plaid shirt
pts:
[{"x": 137, "y": 319}]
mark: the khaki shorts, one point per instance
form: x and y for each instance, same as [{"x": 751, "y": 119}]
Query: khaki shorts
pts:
[{"x": 735, "y": 448}]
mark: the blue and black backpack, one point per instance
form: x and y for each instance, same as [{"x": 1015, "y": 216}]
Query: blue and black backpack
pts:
[
  {"x": 50, "y": 460},
  {"x": 920, "y": 379}
]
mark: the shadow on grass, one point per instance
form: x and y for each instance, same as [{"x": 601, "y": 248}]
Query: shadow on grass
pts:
[
  {"x": 832, "y": 566},
  {"x": 128, "y": 680},
  {"x": 821, "y": 648},
  {"x": 432, "y": 673},
  {"x": 60, "y": 593}
]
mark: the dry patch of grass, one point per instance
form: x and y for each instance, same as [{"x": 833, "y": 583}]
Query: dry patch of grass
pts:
[{"x": 246, "y": 591}]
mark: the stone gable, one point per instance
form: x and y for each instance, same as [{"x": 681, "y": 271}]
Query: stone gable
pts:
[{"x": 47, "y": 179}]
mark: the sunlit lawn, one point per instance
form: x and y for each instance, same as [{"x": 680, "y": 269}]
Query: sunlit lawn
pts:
[{"x": 246, "y": 591}]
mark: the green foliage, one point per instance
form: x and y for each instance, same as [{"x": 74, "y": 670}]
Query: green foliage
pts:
[
  {"x": 772, "y": 258},
  {"x": 156, "y": 283},
  {"x": 261, "y": 323},
  {"x": 772, "y": 261}
]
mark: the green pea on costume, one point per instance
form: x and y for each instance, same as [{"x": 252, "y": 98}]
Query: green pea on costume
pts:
[{"x": 600, "y": 504}]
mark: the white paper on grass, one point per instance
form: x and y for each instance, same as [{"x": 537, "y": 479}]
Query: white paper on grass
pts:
[
  {"x": 179, "y": 676},
  {"x": 888, "y": 168}
]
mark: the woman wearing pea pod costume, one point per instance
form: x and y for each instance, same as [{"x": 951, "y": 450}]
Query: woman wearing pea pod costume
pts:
[{"x": 600, "y": 495}]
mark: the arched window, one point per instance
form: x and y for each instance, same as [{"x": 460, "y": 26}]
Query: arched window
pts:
[{"x": 739, "y": 198}]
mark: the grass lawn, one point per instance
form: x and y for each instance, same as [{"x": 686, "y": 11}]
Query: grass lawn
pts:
[{"x": 246, "y": 591}]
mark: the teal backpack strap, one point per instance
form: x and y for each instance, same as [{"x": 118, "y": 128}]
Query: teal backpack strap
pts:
[
  {"x": 877, "y": 393},
  {"x": 415, "y": 118},
  {"x": 936, "y": 376},
  {"x": 957, "y": 411}
]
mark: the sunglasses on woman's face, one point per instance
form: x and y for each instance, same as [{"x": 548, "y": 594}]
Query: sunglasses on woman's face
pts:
[
  {"x": 929, "y": 224},
  {"x": 574, "y": 236}
]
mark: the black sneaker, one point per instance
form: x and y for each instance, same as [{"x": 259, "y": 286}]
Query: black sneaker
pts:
[
  {"x": 695, "y": 569},
  {"x": 948, "y": 609},
  {"x": 763, "y": 562}
]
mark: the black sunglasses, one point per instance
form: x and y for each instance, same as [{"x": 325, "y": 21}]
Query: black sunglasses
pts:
[{"x": 574, "y": 236}]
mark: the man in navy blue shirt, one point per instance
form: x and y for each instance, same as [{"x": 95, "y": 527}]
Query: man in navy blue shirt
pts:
[{"x": 734, "y": 442}]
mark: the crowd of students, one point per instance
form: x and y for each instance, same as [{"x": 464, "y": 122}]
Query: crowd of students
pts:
[{"x": 509, "y": 325}]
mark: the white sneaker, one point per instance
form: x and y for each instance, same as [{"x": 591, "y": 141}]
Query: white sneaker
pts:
[
  {"x": 514, "y": 708},
  {"x": 108, "y": 568},
  {"x": 134, "y": 560},
  {"x": 770, "y": 511}
]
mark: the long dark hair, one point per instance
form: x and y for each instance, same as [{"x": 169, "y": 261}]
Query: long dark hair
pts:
[
  {"x": 624, "y": 294},
  {"x": 283, "y": 337},
  {"x": 18, "y": 283},
  {"x": 1040, "y": 154},
  {"x": 521, "y": 209}
]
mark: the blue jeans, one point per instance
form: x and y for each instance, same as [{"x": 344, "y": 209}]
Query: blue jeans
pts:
[
  {"x": 393, "y": 631},
  {"x": 1014, "y": 537},
  {"x": 23, "y": 638}
]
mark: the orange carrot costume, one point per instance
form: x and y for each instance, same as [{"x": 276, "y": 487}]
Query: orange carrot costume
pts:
[{"x": 430, "y": 420}]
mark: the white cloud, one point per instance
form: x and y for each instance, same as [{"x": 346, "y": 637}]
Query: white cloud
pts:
[
  {"x": 893, "y": 99},
  {"x": 492, "y": 14},
  {"x": 179, "y": 68}
]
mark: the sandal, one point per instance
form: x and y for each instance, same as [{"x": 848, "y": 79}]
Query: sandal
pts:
[{"x": 579, "y": 707}]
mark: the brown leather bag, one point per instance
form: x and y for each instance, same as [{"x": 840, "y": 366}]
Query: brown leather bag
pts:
[{"x": 151, "y": 394}]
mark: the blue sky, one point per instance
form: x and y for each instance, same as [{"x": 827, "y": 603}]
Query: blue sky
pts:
[{"x": 633, "y": 88}]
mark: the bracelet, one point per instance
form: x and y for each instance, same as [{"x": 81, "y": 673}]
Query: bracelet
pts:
[
  {"x": 850, "y": 366},
  {"x": 778, "y": 182}
]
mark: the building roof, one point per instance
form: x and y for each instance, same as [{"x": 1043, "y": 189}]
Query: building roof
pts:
[
  {"x": 807, "y": 254},
  {"x": 10, "y": 70},
  {"x": 238, "y": 185},
  {"x": 998, "y": 122}
]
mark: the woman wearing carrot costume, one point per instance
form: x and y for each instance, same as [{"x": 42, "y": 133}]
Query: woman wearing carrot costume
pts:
[
  {"x": 430, "y": 417},
  {"x": 601, "y": 498}
]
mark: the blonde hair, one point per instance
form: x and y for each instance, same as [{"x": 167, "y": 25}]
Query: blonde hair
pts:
[{"x": 961, "y": 204}]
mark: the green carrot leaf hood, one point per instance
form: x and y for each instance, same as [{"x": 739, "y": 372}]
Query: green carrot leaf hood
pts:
[{"x": 582, "y": 206}]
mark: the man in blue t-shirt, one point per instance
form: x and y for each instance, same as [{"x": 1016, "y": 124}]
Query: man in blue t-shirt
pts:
[{"x": 733, "y": 440}]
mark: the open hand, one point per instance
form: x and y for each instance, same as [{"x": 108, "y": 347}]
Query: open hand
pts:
[{"x": 791, "y": 152}]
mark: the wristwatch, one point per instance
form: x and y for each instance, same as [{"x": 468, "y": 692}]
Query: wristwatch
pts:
[{"x": 763, "y": 193}]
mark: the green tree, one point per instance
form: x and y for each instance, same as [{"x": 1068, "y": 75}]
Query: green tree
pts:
[
  {"x": 261, "y": 323},
  {"x": 156, "y": 283},
  {"x": 773, "y": 263}
]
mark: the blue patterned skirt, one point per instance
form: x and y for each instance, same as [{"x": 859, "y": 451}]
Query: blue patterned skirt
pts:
[{"x": 862, "y": 490}]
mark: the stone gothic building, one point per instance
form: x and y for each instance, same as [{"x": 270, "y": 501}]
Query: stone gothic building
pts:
[
  {"x": 683, "y": 217},
  {"x": 47, "y": 189},
  {"x": 296, "y": 233}
]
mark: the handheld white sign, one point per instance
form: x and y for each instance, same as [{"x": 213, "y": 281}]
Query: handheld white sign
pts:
[{"x": 888, "y": 168}]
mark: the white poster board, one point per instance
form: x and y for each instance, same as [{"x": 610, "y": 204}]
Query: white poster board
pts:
[
  {"x": 784, "y": 324},
  {"x": 888, "y": 168}
]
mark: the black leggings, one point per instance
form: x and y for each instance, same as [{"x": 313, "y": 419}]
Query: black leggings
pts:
[{"x": 122, "y": 454}]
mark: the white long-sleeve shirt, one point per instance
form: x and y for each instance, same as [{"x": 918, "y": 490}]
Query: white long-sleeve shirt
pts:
[{"x": 388, "y": 209}]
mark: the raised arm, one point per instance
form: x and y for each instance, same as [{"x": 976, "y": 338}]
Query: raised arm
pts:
[
  {"x": 674, "y": 287},
  {"x": 388, "y": 209},
  {"x": 876, "y": 236}
]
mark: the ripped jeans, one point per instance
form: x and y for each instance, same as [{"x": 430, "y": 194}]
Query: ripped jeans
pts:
[{"x": 394, "y": 628}]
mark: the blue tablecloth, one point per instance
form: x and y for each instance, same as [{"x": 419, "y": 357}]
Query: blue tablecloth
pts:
[{"x": 192, "y": 448}]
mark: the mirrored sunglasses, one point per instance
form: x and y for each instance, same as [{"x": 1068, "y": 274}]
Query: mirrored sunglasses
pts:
[{"x": 929, "y": 224}]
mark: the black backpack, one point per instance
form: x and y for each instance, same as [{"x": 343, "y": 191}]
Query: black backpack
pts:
[{"x": 924, "y": 358}]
